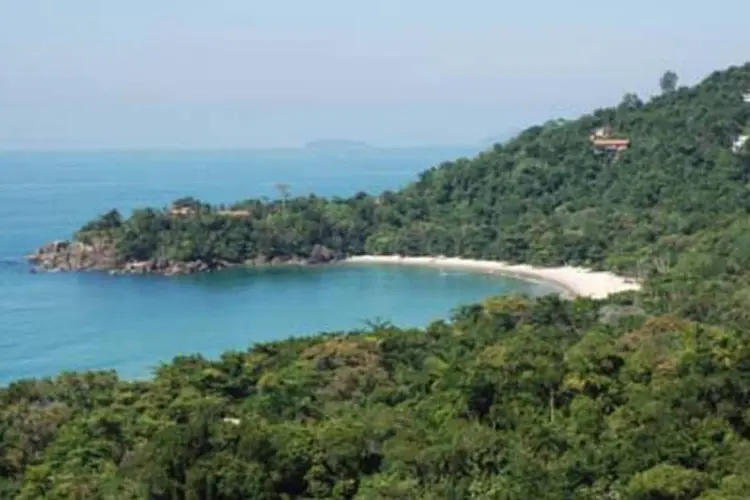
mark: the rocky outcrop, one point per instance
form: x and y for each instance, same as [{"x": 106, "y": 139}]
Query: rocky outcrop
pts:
[
  {"x": 74, "y": 256},
  {"x": 322, "y": 255},
  {"x": 319, "y": 255},
  {"x": 168, "y": 267},
  {"x": 67, "y": 256}
]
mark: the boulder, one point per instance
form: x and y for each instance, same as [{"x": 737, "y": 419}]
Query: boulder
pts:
[{"x": 321, "y": 255}]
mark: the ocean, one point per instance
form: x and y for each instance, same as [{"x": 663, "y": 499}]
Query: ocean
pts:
[{"x": 63, "y": 322}]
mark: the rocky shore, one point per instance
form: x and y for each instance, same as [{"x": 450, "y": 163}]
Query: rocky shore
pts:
[
  {"x": 76, "y": 256},
  {"x": 66, "y": 255}
]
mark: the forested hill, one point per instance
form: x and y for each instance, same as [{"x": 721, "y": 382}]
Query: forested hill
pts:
[
  {"x": 673, "y": 204},
  {"x": 625, "y": 399},
  {"x": 546, "y": 197}
]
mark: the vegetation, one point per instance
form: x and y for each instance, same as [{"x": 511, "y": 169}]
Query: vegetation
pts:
[
  {"x": 668, "y": 82},
  {"x": 512, "y": 399},
  {"x": 642, "y": 396}
]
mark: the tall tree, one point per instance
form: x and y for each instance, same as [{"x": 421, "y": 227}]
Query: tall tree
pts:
[
  {"x": 668, "y": 82},
  {"x": 283, "y": 190}
]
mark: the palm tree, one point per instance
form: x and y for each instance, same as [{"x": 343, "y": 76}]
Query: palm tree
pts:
[{"x": 283, "y": 190}]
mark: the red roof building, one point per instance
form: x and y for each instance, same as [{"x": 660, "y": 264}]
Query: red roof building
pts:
[
  {"x": 615, "y": 144},
  {"x": 602, "y": 139}
]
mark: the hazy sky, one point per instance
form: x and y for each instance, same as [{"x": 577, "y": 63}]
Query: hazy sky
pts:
[{"x": 244, "y": 73}]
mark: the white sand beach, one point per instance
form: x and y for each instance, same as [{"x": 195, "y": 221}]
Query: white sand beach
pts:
[{"x": 574, "y": 281}]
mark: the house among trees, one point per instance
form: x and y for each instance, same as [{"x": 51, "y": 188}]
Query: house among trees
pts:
[
  {"x": 603, "y": 139},
  {"x": 181, "y": 211},
  {"x": 746, "y": 96},
  {"x": 185, "y": 207},
  {"x": 739, "y": 143}
]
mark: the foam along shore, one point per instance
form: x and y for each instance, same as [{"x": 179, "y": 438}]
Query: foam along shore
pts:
[{"x": 574, "y": 281}]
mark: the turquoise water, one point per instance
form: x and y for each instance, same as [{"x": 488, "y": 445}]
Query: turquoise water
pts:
[{"x": 54, "y": 322}]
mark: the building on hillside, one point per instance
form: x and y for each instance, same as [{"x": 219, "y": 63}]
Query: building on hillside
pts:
[
  {"x": 611, "y": 144},
  {"x": 602, "y": 132},
  {"x": 182, "y": 211},
  {"x": 746, "y": 96},
  {"x": 603, "y": 139},
  {"x": 739, "y": 143}
]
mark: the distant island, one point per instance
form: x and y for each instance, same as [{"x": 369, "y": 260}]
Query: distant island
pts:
[{"x": 338, "y": 145}]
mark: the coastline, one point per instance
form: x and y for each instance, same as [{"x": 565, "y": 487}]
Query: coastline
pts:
[
  {"x": 101, "y": 255},
  {"x": 571, "y": 281}
]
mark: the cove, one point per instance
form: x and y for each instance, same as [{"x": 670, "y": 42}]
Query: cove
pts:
[
  {"x": 132, "y": 323},
  {"x": 54, "y": 322}
]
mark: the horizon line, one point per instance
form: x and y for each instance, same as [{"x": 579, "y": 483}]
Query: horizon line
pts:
[{"x": 304, "y": 147}]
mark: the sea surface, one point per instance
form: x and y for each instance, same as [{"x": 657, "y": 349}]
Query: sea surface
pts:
[{"x": 61, "y": 322}]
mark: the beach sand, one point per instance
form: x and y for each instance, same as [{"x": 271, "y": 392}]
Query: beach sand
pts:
[{"x": 573, "y": 281}]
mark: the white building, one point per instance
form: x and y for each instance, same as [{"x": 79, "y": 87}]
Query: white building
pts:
[{"x": 739, "y": 143}]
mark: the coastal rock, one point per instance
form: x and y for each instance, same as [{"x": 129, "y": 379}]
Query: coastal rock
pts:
[
  {"x": 100, "y": 255},
  {"x": 321, "y": 255},
  {"x": 63, "y": 255},
  {"x": 168, "y": 267}
]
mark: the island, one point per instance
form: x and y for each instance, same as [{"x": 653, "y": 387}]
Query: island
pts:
[
  {"x": 338, "y": 145},
  {"x": 636, "y": 395}
]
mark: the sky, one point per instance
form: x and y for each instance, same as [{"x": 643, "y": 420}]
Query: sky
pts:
[{"x": 93, "y": 74}]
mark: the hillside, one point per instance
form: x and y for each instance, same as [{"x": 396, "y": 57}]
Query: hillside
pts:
[{"x": 643, "y": 396}]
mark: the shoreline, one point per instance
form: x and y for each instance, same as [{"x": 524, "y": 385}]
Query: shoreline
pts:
[
  {"x": 568, "y": 281},
  {"x": 571, "y": 281}
]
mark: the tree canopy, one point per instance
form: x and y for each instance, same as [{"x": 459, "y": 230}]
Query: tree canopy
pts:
[
  {"x": 511, "y": 399},
  {"x": 668, "y": 81}
]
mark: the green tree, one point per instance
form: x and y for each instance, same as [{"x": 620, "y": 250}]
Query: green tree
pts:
[{"x": 668, "y": 82}]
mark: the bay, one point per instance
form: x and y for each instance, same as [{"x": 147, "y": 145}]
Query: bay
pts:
[{"x": 55, "y": 322}]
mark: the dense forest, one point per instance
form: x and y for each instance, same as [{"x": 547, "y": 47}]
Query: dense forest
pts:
[
  {"x": 512, "y": 399},
  {"x": 642, "y": 396}
]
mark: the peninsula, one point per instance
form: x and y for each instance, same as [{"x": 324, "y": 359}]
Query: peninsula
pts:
[{"x": 551, "y": 197}]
